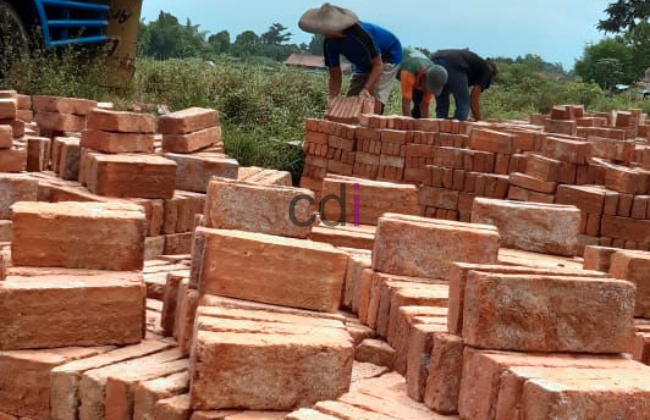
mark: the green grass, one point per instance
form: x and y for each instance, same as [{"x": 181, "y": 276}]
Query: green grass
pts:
[{"x": 263, "y": 105}]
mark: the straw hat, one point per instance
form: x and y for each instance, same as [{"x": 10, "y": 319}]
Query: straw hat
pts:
[
  {"x": 327, "y": 19},
  {"x": 435, "y": 79}
]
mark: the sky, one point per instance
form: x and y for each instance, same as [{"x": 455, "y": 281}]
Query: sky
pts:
[{"x": 556, "y": 30}]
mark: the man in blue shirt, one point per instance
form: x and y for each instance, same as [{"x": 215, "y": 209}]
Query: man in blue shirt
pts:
[{"x": 375, "y": 53}]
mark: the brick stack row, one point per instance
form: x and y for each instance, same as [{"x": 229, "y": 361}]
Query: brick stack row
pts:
[{"x": 13, "y": 158}]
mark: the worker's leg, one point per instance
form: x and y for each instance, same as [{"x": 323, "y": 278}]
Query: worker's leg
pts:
[
  {"x": 442, "y": 104},
  {"x": 460, "y": 90},
  {"x": 357, "y": 82},
  {"x": 417, "y": 101},
  {"x": 384, "y": 86}
]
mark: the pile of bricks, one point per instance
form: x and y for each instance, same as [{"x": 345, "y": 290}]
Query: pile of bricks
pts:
[
  {"x": 162, "y": 164},
  {"x": 253, "y": 306},
  {"x": 595, "y": 161}
]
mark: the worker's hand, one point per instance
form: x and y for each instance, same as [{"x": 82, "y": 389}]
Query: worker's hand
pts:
[
  {"x": 365, "y": 94},
  {"x": 330, "y": 102}
]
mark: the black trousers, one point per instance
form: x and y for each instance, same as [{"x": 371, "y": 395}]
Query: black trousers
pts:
[{"x": 417, "y": 100}]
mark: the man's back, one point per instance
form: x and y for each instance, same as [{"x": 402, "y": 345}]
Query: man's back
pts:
[{"x": 478, "y": 70}]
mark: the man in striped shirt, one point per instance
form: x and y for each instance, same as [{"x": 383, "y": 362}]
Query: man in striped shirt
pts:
[{"x": 375, "y": 52}]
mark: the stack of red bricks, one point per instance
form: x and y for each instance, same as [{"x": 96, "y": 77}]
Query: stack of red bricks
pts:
[
  {"x": 595, "y": 161},
  {"x": 13, "y": 158},
  {"x": 631, "y": 266},
  {"x": 270, "y": 319},
  {"x": 461, "y": 352},
  {"x": 349, "y": 110}
]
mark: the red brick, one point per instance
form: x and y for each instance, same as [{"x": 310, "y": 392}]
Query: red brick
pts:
[
  {"x": 38, "y": 154},
  {"x": 624, "y": 207},
  {"x": 79, "y": 235},
  {"x": 560, "y": 127},
  {"x": 633, "y": 266},
  {"x": 445, "y": 373},
  {"x": 121, "y": 122},
  {"x": 69, "y": 157},
  {"x": 555, "y": 390},
  {"x": 106, "y": 142},
  {"x": 598, "y": 258},
  {"x": 29, "y": 324},
  {"x": 611, "y": 149},
  {"x": 492, "y": 141},
  {"x": 589, "y": 199},
  {"x": 193, "y": 142},
  {"x": 12, "y": 160},
  {"x": 25, "y": 382},
  {"x": 420, "y": 344},
  {"x": 439, "y": 197},
  {"x": 8, "y": 108},
  {"x": 490, "y": 393},
  {"x": 640, "y": 206},
  {"x": 254, "y": 208},
  {"x": 179, "y": 243},
  {"x": 403, "y": 242},
  {"x": 60, "y": 122},
  {"x": 570, "y": 151},
  {"x": 188, "y": 121},
  {"x": 15, "y": 188},
  {"x": 322, "y": 291},
  {"x": 374, "y": 198},
  {"x": 135, "y": 176},
  {"x": 624, "y": 228},
  {"x": 546, "y": 300},
  {"x": 376, "y": 352},
  {"x": 625, "y": 180},
  {"x": 92, "y": 384},
  {"x": 61, "y": 105},
  {"x": 533, "y": 184},
  {"x": 458, "y": 280},
  {"x": 194, "y": 171},
  {"x": 641, "y": 351},
  {"x": 291, "y": 365},
  {"x": 6, "y": 137},
  {"x": 120, "y": 391},
  {"x": 549, "y": 228}
]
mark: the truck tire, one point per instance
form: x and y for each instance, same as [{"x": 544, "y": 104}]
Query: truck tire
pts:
[{"x": 14, "y": 39}]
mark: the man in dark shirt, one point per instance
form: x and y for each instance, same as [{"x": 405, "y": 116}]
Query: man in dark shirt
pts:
[
  {"x": 465, "y": 69},
  {"x": 375, "y": 52}
]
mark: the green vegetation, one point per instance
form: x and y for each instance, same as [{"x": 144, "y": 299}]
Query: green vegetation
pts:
[{"x": 263, "y": 104}]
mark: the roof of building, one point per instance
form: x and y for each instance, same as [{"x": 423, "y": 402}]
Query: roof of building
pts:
[{"x": 311, "y": 62}]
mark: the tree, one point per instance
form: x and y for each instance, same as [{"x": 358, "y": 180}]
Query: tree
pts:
[
  {"x": 247, "y": 44},
  {"x": 276, "y": 35},
  {"x": 599, "y": 57},
  {"x": 316, "y": 45},
  {"x": 639, "y": 40},
  {"x": 624, "y": 15},
  {"x": 219, "y": 42},
  {"x": 608, "y": 72}
]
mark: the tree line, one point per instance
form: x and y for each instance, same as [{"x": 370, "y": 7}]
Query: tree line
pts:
[
  {"x": 168, "y": 38},
  {"x": 621, "y": 58}
]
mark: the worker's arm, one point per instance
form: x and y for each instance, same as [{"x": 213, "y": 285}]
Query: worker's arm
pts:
[
  {"x": 475, "y": 102},
  {"x": 407, "y": 81},
  {"x": 335, "y": 80},
  {"x": 425, "y": 105}
]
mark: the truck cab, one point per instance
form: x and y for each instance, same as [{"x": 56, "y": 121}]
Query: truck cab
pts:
[{"x": 52, "y": 24}]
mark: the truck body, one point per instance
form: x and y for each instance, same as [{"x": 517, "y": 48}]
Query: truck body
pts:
[{"x": 108, "y": 24}]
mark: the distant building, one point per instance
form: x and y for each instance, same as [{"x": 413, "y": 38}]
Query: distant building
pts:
[{"x": 312, "y": 62}]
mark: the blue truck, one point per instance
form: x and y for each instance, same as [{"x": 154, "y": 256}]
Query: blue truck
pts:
[{"x": 52, "y": 24}]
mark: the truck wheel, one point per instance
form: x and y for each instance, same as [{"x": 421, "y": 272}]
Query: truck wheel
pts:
[{"x": 14, "y": 41}]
